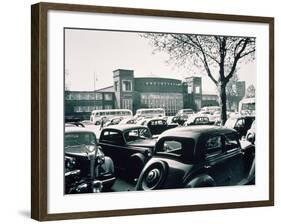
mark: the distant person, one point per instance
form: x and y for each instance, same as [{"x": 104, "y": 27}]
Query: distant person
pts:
[{"x": 102, "y": 122}]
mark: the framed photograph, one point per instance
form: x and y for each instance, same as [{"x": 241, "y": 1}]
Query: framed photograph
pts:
[{"x": 139, "y": 111}]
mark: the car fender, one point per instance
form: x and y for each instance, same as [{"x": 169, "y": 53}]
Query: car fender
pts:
[
  {"x": 138, "y": 156},
  {"x": 203, "y": 180},
  {"x": 108, "y": 164}
]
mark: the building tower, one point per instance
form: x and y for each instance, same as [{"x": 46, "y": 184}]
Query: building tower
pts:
[
  {"x": 124, "y": 88},
  {"x": 194, "y": 92}
]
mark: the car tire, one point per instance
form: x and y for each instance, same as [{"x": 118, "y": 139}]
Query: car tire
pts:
[{"x": 153, "y": 176}]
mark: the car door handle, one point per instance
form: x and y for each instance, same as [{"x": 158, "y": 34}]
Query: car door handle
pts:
[{"x": 207, "y": 166}]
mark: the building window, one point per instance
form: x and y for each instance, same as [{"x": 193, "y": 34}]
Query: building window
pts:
[
  {"x": 127, "y": 104},
  {"x": 78, "y": 109},
  {"x": 98, "y": 107},
  {"x": 84, "y": 96},
  {"x": 98, "y": 96},
  {"x": 107, "y": 96},
  {"x": 197, "y": 89},
  {"x": 92, "y": 96},
  {"x": 107, "y": 107},
  {"x": 127, "y": 85},
  {"x": 116, "y": 86},
  {"x": 68, "y": 96}
]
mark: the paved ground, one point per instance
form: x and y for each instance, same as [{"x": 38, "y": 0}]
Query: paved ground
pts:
[{"x": 122, "y": 185}]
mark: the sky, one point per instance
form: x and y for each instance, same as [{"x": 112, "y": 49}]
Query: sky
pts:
[{"x": 96, "y": 53}]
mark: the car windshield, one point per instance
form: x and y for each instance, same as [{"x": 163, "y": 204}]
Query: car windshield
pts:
[
  {"x": 136, "y": 134},
  {"x": 230, "y": 123},
  {"x": 79, "y": 138},
  {"x": 187, "y": 111}
]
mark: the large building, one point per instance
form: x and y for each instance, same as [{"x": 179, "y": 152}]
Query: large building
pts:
[{"x": 130, "y": 92}]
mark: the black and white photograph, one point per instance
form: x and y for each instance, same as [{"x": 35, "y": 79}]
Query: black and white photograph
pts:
[{"x": 157, "y": 111}]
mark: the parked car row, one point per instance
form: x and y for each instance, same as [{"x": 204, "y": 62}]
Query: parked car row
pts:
[
  {"x": 187, "y": 150},
  {"x": 181, "y": 157}
]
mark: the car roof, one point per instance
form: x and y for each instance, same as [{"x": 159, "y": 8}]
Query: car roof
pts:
[
  {"x": 123, "y": 127},
  {"x": 155, "y": 119},
  {"x": 242, "y": 116},
  {"x": 196, "y": 131},
  {"x": 77, "y": 129}
]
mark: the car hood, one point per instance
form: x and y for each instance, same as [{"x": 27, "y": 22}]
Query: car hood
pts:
[
  {"x": 148, "y": 143},
  {"x": 80, "y": 150}
]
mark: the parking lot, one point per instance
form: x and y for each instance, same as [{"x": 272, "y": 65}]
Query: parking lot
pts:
[{"x": 151, "y": 148}]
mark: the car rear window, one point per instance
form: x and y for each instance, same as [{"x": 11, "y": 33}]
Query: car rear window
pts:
[
  {"x": 111, "y": 136},
  {"x": 213, "y": 146},
  {"x": 179, "y": 147}
]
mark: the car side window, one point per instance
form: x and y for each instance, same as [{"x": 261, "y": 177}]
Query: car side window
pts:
[
  {"x": 173, "y": 147},
  {"x": 231, "y": 142},
  {"x": 213, "y": 146},
  {"x": 240, "y": 123}
]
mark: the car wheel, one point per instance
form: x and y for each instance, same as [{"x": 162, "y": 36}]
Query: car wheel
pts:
[{"x": 153, "y": 176}]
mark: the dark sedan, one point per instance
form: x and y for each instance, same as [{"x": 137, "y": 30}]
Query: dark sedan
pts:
[
  {"x": 129, "y": 146},
  {"x": 198, "y": 156},
  {"x": 157, "y": 125}
]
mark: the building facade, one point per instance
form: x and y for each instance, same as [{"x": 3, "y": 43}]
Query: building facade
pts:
[
  {"x": 80, "y": 104},
  {"x": 129, "y": 92}
]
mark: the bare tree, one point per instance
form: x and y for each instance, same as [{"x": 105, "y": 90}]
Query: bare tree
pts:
[
  {"x": 219, "y": 56},
  {"x": 231, "y": 90}
]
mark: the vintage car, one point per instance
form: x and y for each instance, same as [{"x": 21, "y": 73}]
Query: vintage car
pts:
[
  {"x": 180, "y": 119},
  {"x": 197, "y": 156},
  {"x": 251, "y": 133},
  {"x": 74, "y": 124},
  {"x": 185, "y": 112},
  {"x": 113, "y": 121},
  {"x": 197, "y": 120},
  {"x": 241, "y": 124},
  {"x": 87, "y": 169},
  {"x": 157, "y": 125},
  {"x": 128, "y": 121},
  {"x": 129, "y": 146}
]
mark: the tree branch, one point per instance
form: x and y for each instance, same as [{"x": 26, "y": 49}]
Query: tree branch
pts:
[{"x": 236, "y": 59}]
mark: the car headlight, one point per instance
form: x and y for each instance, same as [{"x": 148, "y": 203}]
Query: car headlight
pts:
[
  {"x": 70, "y": 163},
  {"x": 100, "y": 158}
]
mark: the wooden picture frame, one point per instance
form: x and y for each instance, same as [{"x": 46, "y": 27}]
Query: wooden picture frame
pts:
[{"x": 39, "y": 109}]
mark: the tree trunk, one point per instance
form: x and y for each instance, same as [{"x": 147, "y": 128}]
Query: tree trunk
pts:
[{"x": 222, "y": 101}]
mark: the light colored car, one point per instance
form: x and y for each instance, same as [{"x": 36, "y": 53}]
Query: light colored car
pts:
[
  {"x": 200, "y": 119},
  {"x": 185, "y": 112},
  {"x": 128, "y": 121}
]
